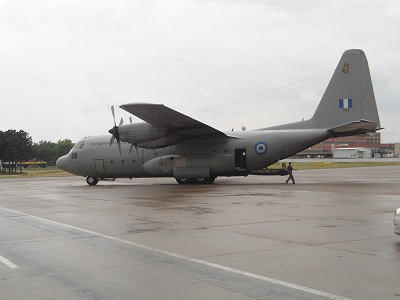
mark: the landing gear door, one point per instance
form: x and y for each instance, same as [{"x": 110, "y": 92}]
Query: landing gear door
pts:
[
  {"x": 240, "y": 160},
  {"x": 99, "y": 166}
]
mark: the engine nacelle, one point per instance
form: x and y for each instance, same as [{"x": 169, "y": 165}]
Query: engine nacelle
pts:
[
  {"x": 161, "y": 143},
  {"x": 146, "y": 136}
]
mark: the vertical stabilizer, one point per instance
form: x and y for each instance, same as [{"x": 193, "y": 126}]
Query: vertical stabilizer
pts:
[
  {"x": 349, "y": 96},
  {"x": 348, "y": 105}
]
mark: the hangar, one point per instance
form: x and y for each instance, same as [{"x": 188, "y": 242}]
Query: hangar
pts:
[{"x": 351, "y": 153}]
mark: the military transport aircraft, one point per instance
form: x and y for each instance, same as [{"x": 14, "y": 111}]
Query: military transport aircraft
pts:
[{"x": 171, "y": 144}]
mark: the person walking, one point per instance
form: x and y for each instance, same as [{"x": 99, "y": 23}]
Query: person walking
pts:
[{"x": 290, "y": 171}]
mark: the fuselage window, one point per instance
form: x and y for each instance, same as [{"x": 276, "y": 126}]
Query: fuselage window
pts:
[{"x": 74, "y": 155}]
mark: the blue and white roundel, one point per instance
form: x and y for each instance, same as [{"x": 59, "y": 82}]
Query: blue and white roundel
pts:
[{"x": 261, "y": 148}]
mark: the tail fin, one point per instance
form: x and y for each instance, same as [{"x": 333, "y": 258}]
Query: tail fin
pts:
[
  {"x": 348, "y": 105},
  {"x": 349, "y": 97}
]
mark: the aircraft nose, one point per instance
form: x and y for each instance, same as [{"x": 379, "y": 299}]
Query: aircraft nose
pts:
[
  {"x": 62, "y": 163},
  {"x": 67, "y": 164}
]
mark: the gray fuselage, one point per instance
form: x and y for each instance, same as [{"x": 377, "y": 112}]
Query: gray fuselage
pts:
[{"x": 236, "y": 155}]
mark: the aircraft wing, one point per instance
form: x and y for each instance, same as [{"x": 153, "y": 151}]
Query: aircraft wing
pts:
[{"x": 161, "y": 116}]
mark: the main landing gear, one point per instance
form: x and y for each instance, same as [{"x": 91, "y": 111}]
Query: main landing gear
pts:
[{"x": 201, "y": 180}]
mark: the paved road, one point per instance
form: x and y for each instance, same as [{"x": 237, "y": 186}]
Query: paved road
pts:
[{"x": 328, "y": 236}]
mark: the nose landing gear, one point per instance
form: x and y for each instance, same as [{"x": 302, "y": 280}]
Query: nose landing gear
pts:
[{"x": 91, "y": 180}]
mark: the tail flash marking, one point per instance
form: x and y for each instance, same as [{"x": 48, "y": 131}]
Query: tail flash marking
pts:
[{"x": 346, "y": 103}]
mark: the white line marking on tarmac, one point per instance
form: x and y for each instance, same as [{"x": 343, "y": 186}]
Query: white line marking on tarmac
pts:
[
  {"x": 8, "y": 263},
  {"x": 187, "y": 258}
]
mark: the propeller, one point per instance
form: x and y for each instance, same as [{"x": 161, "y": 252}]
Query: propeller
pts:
[
  {"x": 115, "y": 134},
  {"x": 136, "y": 148},
  {"x": 114, "y": 131}
]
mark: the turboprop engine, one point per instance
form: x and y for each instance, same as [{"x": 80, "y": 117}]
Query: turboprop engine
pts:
[
  {"x": 141, "y": 135},
  {"x": 146, "y": 136}
]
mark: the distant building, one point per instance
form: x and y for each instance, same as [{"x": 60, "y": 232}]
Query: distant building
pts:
[
  {"x": 351, "y": 153},
  {"x": 371, "y": 141},
  {"x": 396, "y": 150}
]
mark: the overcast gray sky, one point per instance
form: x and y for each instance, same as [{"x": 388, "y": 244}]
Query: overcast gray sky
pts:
[{"x": 64, "y": 63}]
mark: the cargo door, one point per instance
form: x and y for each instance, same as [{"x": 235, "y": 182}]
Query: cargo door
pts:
[
  {"x": 240, "y": 159},
  {"x": 99, "y": 166}
]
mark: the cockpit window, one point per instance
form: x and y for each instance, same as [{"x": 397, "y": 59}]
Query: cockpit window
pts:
[{"x": 74, "y": 155}]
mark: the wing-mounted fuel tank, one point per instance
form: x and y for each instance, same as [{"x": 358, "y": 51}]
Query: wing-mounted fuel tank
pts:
[{"x": 147, "y": 136}]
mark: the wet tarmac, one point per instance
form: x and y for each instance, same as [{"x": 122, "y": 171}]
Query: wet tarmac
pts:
[{"x": 328, "y": 236}]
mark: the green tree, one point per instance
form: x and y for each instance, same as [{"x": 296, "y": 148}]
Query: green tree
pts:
[
  {"x": 15, "y": 146},
  {"x": 45, "y": 151},
  {"x": 63, "y": 147}
]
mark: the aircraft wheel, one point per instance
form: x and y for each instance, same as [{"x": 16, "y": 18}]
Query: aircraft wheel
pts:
[
  {"x": 184, "y": 180},
  {"x": 202, "y": 180},
  {"x": 91, "y": 180}
]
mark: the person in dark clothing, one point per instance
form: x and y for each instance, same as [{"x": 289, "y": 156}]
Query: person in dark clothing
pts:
[{"x": 290, "y": 171}]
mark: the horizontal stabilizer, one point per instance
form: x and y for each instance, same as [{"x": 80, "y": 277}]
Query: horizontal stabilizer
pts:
[{"x": 354, "y": 128}]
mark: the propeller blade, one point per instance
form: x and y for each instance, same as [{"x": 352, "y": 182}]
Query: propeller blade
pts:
[
  {"x": 131, "y": 148},
  {"x": 119, "y": 147},
  {"x": 113, "y": 113},
  {"x": 114, "y": 131},
  {"x": 136, "y": 149}
]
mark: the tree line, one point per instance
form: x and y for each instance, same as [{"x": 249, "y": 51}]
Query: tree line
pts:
[{"x": 16, "y": 146}]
